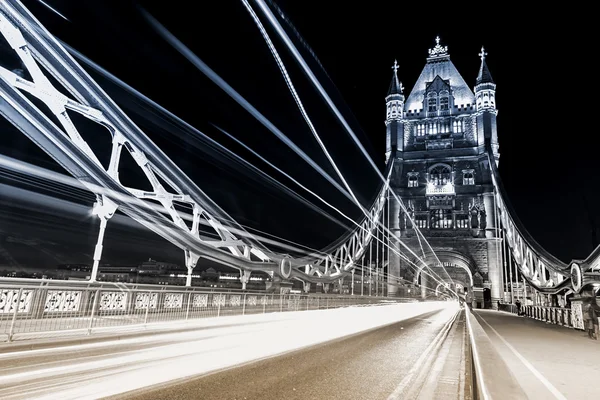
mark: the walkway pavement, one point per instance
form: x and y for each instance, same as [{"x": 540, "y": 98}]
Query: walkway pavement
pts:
[{"x": 549, "y": 361}]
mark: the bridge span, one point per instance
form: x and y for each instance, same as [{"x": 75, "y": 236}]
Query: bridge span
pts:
[
  {"x": 440, "y": 243},
  {"x": 416, "y": 350}
]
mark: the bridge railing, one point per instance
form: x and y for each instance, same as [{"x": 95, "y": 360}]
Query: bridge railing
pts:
[
  {"x": 31, "y": 311},
  {"x": 554, "y": 315}
]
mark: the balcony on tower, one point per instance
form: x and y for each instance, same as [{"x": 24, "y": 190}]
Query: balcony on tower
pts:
[{"x": 436, "y": 190}]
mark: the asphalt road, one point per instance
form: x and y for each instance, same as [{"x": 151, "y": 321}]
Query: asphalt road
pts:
[
  {"x": 353, "y": 352},
  {"x": 548, "y": 361},
  {"x": 365, "y": 366}
]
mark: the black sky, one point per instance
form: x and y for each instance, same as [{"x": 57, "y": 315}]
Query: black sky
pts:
[{"x": 545, "y": 96}]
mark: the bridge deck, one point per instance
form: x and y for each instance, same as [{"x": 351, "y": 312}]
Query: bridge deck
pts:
[{"x": 549, "y": 361}]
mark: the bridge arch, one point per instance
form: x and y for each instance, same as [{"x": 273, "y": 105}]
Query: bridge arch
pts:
[
  {"x": 460, "y": 285},
  {"x": 447, "y": 258}
]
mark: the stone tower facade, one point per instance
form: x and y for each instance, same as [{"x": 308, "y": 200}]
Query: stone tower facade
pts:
[{"x": 442, "y": 177}]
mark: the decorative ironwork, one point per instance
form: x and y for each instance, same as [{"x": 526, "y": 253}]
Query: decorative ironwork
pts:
[
  {"x": 264, "y": 300},
  {"x": 142, "y": 300},
  {"x": 577, "y": 316},
  {"x": 113, "y": 301},
  {"x": 251, "y": 300},
  {"x": 235, "y": 301},
  {"x": 62, "y": 301},
  {"x": 173, "y": 300},
  {"x": 9, "y": 300},
  {"x": 200, "y": 300},
  {"x": 218, "y": 300}
]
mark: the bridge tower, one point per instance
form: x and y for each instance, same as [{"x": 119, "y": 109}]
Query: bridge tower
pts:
[{"x": 443, "y": 179}]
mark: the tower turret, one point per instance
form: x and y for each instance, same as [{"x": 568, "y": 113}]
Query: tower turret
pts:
[
  {"x": 394, "y": 116},
  {"x": 485, "y": 95}
]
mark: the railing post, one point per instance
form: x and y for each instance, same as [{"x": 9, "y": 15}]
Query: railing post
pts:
[
  {"x": 280, "y": 303},
  {"x": 219, "y": 307},
  {"x": 264, "y": 304},
  {"x": 148, "y": 307},
  {"x": 93, "y": 312},
  {"x": 187, "y": 310},
  {"x": 14, "y": 318},
  {"x": 244, "y": 305}
]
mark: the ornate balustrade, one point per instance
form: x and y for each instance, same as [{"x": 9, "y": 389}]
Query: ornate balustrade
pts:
[
  {"x": 555, "y": 315},
  {"x": 30, "y": 311}
]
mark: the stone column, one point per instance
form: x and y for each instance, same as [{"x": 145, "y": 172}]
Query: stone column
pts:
[
  {"x": 394, "y": 264},
  {"x": 495, "y": 271}
]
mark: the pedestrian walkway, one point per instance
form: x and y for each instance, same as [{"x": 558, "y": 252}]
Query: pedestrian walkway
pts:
[{"x": 549, "y": 361}]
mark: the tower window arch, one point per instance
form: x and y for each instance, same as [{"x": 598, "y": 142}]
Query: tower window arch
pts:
[
  {"x": 458, "y": 126},
  {"x": 468, "y": 177},
  {"x": 444, "y": 100},
  {"x": 440, "y": 174},
  {"x": 413, "y": 179},
  {"x": 432, "y": 102}
]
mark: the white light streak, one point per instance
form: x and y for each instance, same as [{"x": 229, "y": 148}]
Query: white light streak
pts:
[{"x": 54, "y": 10}]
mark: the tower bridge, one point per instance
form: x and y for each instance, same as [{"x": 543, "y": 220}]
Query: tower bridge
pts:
[
  {"x": 441, "y": 185},
  {"x": 442, "y": 222}
]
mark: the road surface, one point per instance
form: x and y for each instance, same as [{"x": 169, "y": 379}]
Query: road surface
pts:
[{"x": 305, "y": 355}]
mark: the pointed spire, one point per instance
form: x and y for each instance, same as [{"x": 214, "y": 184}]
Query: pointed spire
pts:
[
  {"x": 396, "y": 86},
  {"x": 484, "y": 75}
]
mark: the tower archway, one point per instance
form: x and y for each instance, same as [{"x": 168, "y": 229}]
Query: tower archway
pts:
[{"x": 457, "y": 268}]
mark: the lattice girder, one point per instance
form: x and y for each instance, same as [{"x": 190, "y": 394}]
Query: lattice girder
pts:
[{"x": 39, "y": 50}]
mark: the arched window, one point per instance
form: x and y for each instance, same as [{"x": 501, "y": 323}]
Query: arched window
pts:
[
  {"x": 468, "y": 177},
  {"x": 457, "y": 126},
  {"x": 440, "y": 174},
  {"x": 413, "y": 179},
  {"x": 444, "y": 100},
  {"x": 431, "y": 102}
]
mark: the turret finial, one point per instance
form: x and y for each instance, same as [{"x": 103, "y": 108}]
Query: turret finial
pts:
[
  {"x": 438, "y": 50},
  {"x": 395, "y": 66},
  {"x": 482, "y": 54}
]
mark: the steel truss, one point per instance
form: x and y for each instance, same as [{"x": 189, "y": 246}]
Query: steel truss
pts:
[
  {"x": 227, "y": 242},
  {"x": 542, "y": 271}
]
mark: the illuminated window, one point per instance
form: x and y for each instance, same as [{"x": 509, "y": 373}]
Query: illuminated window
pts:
[
  {"x": 421, "y": 221},
  {"x": 413, "y": 179},
  {"x": 420, "y": 130},
  {"x": 440, "y": 175},
  {"x": 444, "y": 126},
  {"x": 433, "y": 129},
  {"x": 468, "y": 177},
  {"x": 462, "y": 221},
  {"x": 457, "y": 126},
  {"x": 441, "y": 219}
]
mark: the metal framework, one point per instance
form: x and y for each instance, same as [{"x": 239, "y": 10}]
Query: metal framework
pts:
[
  {"x": 542, "y": 271},
  {"x": 211, "y": 234}
]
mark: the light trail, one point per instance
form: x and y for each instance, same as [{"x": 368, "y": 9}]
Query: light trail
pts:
[
  {"x": 54, "y": 10},
  {"x": 278, "y": 28},
  {"x": 198, "y": 63},
  {"x": 200, "y": 135},
  {"x": 186, "y": 354},
  {"x": 316, "y": 135}
]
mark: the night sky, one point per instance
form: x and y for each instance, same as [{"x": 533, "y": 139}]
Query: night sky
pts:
[{"x": 545, "y": 97}]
